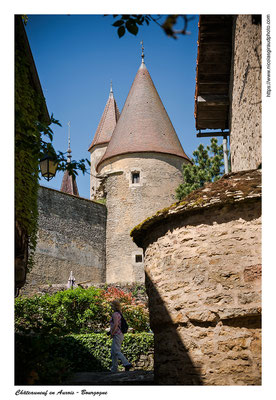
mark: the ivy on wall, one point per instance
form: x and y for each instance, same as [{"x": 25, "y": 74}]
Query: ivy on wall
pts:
[
  {"x": 33, "y": 138},
  {"x": 28, "y": 104}
]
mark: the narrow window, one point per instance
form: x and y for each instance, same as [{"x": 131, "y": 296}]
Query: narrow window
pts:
[
  {"x": 138, "y": 258},
  {"x": 135, "y": 177}
]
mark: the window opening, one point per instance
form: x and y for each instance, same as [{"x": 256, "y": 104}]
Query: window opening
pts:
[
  {"x": 135, "y": 177},
  {"x": 138, "y": 258}
]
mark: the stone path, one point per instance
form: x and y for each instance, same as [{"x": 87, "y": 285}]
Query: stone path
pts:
[{"x": 138, "y": 377}]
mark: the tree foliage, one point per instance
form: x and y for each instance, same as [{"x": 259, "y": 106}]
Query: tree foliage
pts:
[
  {"x": 131, "y": 23},
  {"x": 206, "y": 167}
]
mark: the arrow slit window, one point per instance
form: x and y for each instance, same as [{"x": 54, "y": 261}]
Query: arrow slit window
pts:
[
  {"x": 138, "y": 258},
  {"x": 135, "y": 177}
]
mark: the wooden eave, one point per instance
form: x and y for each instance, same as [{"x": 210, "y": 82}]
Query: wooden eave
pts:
[{"x": 213, "y": 68}]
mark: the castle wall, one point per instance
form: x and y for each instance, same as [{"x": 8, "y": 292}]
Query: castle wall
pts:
[
  {"x": 203, "y": 278},
  {"x": 96, "y": 154},
  {"x": 128, "y": 204},
  {"x": 71, "y": 237},
  {"x": 246, "y": 107}
]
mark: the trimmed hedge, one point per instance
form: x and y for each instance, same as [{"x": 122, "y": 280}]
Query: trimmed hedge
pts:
[
  {"x": 77, "y": 311},
  {"x": 50, "y": 359}
]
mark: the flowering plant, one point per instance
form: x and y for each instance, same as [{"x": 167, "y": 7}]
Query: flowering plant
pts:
[{"x": 113, "y": 293}]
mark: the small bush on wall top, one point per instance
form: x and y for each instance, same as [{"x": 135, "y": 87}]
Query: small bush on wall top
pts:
[{"x": 77, "y": 311}]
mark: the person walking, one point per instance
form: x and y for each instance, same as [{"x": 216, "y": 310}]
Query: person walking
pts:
[{"x": 117, "y": 338}]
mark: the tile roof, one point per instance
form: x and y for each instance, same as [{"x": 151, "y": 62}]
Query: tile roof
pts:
[
  {"x": 107, "y": 123},
  {"x": 144, "y": 125},
  {"x": 69, "y": 184}
]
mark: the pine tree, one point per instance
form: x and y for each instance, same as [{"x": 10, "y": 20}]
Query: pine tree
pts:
[{"x": 206, "y": 167}]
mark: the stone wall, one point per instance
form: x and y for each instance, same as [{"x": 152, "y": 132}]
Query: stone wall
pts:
[
  {"x": 128, "y": 204},
  {"x": 145, "y": 362},
  {"x": 203, "y": 278},
  {"x": 71, "y": 237},
  {"x": 95, "y": 156},
  {"x": 246, "y": 107}
]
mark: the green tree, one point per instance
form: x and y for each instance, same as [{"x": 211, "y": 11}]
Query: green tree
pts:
[{"x": 206, "y": 167}]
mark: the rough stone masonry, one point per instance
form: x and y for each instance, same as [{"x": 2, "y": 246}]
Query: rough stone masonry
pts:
[
  {"x": 71, "y": 237},
  {"x": 203, "y": 277}
]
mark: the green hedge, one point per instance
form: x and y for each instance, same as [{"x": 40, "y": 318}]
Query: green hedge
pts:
[
  {"x": 77, "y": 311},
  {"x": 50, "y": 359}
]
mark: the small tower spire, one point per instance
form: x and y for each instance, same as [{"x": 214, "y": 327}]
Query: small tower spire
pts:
[
  {"x": 143, "y": 55},
  {"x": 69, "y": 149},
  {"x": 69, "y": 184},
  {"x": 111, "y": 90}
]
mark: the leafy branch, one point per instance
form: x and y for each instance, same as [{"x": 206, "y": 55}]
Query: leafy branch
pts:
[
  {"x": 131, "y": 23},
  {"x": 59, "y": 157}
]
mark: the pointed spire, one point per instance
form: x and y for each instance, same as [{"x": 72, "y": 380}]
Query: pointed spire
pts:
[
  {"x": 111, "y": 90},
  {"x": 108, "y": 121},
  {"x": 143, "y": 55},
  {"x": 69, "y": 149},
  {"x": 144, "y": 125},
  {"x": 69, "y": 184}
]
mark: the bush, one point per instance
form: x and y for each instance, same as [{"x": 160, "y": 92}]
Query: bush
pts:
[
  {"x": 78, "y": 311},
  {"x": 36, "y": 363},
  {"x": 113, "y": 293},
  {"x": 51, "y": 359},
  {"x": 137, "y": 317},
  {"x": 69, "y": 311}
]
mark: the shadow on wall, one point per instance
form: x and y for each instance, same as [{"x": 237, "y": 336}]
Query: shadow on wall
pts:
[{"x": 167, "y": 344}]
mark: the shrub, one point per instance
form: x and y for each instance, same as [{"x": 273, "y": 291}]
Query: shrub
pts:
[
  {"x": 113, "y": 293},
  {"x": 135, "y": 312},
  {"x": 76, "y": 311},
  {"x": 51, "y": 359},
  {"x": 137, "y": 317},
  {"x": 36, "y": 363}
]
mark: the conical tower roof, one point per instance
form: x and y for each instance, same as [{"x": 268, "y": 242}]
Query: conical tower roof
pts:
[
  {"x": 107, "y": 123},
  {"x": 144, "y": 125},
  {"x": 69, "y": 184}
]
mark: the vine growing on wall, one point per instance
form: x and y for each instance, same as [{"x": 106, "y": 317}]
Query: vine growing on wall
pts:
[
  {"x": 28, "y": 104},
  {"x": 33, "y": 138}
]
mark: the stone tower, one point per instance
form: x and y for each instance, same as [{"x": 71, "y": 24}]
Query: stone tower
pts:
[
  {"x": 142, "y": 168},
  {"x": 101, "y": 139}
]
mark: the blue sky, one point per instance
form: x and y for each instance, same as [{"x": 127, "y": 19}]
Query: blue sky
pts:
[{"x": 78, "y": 55}]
